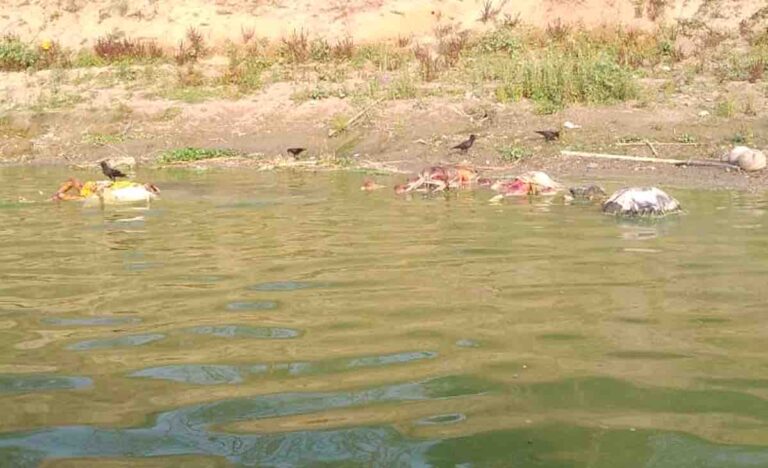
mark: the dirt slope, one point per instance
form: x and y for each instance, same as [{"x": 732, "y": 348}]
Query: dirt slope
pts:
[{"x": 76, "y": 23}]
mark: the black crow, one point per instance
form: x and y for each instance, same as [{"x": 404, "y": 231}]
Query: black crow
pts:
[
  {"x": 465, "y": 145},
  {"x": 110, "y": 172},
  {"x": 549, "y": 135},
  {"x": 295, "y": 152}
]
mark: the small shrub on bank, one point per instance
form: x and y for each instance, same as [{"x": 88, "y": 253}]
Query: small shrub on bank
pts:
[
  {"x": 511, "y": 154},
  {"x": 191, "y": 49},
  {"x": 111, "y": 49},
  {"x": 245, "y": 71},
  {"x": 16, "y": 55},
  {"x": 343, "y": 49},
  {"x": 320, "y": 50},
  {"x": 555, "y": 80},
  {"x": 382, "y": 57},
  {"x": 296, "y": 48}
]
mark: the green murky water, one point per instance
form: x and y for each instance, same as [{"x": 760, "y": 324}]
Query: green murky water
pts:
[{"x": 291, "y": 320}]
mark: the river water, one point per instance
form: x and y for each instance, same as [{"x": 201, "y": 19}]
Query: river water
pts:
[{"x": 289, "y": 319}]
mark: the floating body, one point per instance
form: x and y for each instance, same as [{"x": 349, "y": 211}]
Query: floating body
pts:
[
  {"x": 123, "y": 192},
  {"x": 746, "y": 158},
  {"x": 641, "y": 201},
  {"x": 106, "y": 192},
  {"x": 439, "y": 178},
  {"x": 529, "y": 183}
]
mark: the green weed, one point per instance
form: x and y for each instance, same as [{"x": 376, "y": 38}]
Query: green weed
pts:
[
  {"x": 16, "y": 55},
  {"x": 101, "y": 139},
  {"x": 725, "y": 108},
  {"x": 194, "y": 154},
  {"x": 510, "y": 154}
]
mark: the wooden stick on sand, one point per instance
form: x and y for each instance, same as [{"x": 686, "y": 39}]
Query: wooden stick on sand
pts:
[
  {"x": 354, "y": 119},
  {"x": 623, "y": 157}
]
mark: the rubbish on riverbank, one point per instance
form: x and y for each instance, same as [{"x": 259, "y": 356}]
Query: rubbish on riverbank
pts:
[{"x": 623, "y": 157}]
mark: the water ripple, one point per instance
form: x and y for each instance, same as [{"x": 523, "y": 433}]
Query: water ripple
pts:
[
  {"x": 242, "y": 331},
  {"x": 119, "y": 342},
  {"x": 25, "y": 383}
]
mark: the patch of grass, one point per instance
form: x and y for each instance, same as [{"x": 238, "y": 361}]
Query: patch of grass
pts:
[
  {"x": 656, "y": 8},
  {"x": 742, "y": 67},
  {"x": 749, "y": 107},
  {"x": 742, "y": 137},
  {"x": 320, "y": 50},
  {"x": 630, "y": 139},
  {"x": 194, "y": 154},
  {"x": 490, "y": 10},
  {"x": 296, "y": 48},
  {"x": 500, "y": 40},
  {"x": 725, "y": 108},
  {"x": 189, "y": 76},
  {"x": 339, "y": 123},
  {"x": 16, "y": 55},
  {"x": 429, "y": 64},
  {"x": 343, "y": 156},
  {"x": 686, "y": 138},
  {"x": 192, "y": 95},
  {"x": 558, "y": 31},
  {"x": 451, "y": 47},
  {"x": 111, "y": 49},
  {"x": 756, "y": 69},
  {"x": 403, "y": 87},
  {"x": 191, "y": 49},
  {"x": 101, "y": 139},
  {"x": 8, "y": 129},
  {"x": 244, "y": 71},
  {"x": 510, "y": 154},
  {"x": 318, "y": 92},
  {"x": 168, "y": 114},
  {"x": 555, "y": 80},
  {"x": 55, "y": 100},
  {"x": 87, "y": 58},
  {"x": 121, "y": 112},
  {"x": 343, "y": 49},
  {"x": 125, "y": 72},
  {"x": 380, "y": 56}
]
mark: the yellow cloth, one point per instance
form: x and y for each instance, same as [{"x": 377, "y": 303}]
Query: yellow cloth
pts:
[
  {"x": 121, "y": 184},
  {"x": 89, "y": 188},
  {"x": 95, "y": 187}
]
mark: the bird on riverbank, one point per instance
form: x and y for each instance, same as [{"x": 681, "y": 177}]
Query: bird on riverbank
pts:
[
  {"x": 466, "y": 145},
  {"x": 295, "y": 152},
  {"x": 549, "y": 135},
  {"x": 110, "y": 172}
]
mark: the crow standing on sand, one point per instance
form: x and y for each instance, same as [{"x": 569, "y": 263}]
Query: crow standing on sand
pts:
[
  {"x": 465, "y": 145},
  {"x": 295, "y": 152},
  {"x": 110, "y": 172},
  {"x": 549, "y": 135}
]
